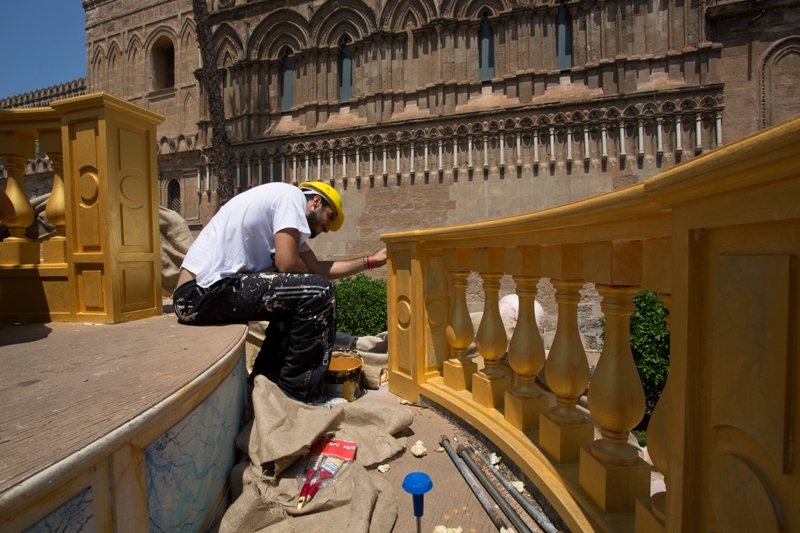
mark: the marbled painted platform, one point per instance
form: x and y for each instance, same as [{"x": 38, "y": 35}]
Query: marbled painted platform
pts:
[
  {"x": 75, "y": 516},
  {"x": 188, "y": 466}
]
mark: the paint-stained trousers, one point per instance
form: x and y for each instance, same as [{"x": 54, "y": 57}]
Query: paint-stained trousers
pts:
[{"x": 300, "y": 308}]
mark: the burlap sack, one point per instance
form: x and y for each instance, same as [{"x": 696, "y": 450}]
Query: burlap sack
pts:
[{"x": 282, "y": 431}]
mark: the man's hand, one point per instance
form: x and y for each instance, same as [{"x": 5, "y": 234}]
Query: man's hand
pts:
[
  {"x": 379, "y": 258},
  {"x": 287, "y": 252}
]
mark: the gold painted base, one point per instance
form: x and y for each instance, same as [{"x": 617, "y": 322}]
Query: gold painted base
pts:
[
  {"x": 523, "y": 413},
  {"x": 489, "y": 393},
  {"x": 646, "y": 521},
  {"x": 458, "y": 375},
  {"x": 19, "y": 253},
  {"x": 54, "y": 251},
  {"x": 564, "y": 441},
  {"x": 613, "y": 488}
]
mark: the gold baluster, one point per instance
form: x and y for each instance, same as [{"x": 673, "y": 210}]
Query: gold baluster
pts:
[
  {"x": 525, "y": 402},
  {"x": 611, "y": 471},
  {"x": 490, "y": 384},
  {"x": 651, "y": 516},
  {"x": 15, "y": 150},
  {"x": 564, "y": 429},
  {"x": 54, "y": 249},
  {"x": 458, "y": 370}
]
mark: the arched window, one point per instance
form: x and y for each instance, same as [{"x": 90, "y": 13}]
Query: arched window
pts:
[
  {"x": 287, "y": 82},
  {"x": 174, "y": 196},
  {"x": 563, "y": 39},
  {"x": 162, "y": 64},
  {"x": 345, "y": 72},
  {"x": 486, "y": 48}
]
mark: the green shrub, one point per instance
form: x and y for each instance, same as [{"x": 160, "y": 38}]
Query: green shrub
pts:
[
  {"x": 650, "y": 347},
  {"x": 361, "y": 305}
]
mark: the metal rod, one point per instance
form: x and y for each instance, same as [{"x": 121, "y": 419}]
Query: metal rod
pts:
[
  {"x": 498, "y": 498},
  {"x": 419, "y": 524},
  {"x": 537, "y": 515},
  {"x": 494, "y": 514}
]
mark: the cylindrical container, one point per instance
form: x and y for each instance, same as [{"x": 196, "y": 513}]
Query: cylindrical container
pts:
[{"x": 344, "y": 376}]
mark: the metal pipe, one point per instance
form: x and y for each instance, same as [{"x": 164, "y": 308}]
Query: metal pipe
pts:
[
  {"x": 498, "y": 498},
  {"x": 537, "y": 515},
  {"x": 494, "y": 515}
]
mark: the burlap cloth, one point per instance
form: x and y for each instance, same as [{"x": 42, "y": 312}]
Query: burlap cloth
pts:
[{"x": 266, "y": 490}]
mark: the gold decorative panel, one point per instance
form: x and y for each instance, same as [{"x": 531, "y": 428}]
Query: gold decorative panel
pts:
[
  {"x": 402, "y": 266},
  {"x": 137, "y": 283},
  {"x": 131, "y": 151},
  {"x": 85, "y": 152},
  {"x": 90, "y": 289},
  {"x": 740, "y": 500},
  {"x": 750, "y": 313}
]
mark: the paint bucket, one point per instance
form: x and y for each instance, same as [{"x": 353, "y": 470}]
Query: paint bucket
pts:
[{"x": 344, "y": 376}]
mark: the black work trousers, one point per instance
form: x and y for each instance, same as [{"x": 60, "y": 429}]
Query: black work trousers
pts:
[{"x": 300, "y": 308}]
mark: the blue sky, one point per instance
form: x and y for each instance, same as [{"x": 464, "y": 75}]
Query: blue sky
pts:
[{"x": 42, "y": 43}]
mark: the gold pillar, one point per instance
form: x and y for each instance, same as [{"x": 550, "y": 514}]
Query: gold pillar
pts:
[
  {"x": 15, "y": 149},
  {"x": 490, "y": 384},
  {"x": 111, "y": 179},
  {"x": 54, "y": 248},
  {"x": 564, "y": 429},
  {"x": 651, "y": 513},
  {"x": 525, "y": 402},
  {"x": 611, "y": 471}
]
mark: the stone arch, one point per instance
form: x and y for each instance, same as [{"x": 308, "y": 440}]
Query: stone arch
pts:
[
  {"x": 174, "y": 195},
  {"x": 688, "y": 104},
  {"x": 778, "y": 82},
  {"x": 396, "y": 13},
  {"x": 226, "y": 39},
  {"x": 283, "y": 28},
  {"x": 188, "y": 112},
  {"x": 631, "y": 112},
  {"x": 160, "y": 48},
  {"x": 650, "y": 109},
  {"x": 134, "y": 69},
  {"x": 114, "y": 76},
  {"x": 98, "y": 64},
  {"x": 473, "y": 9},
  {"x": 166, "y": 146},
  {"x": 184, "y": 143},
  {"x": 336, "y": 17},
  {"x": 613, "y": 113}
]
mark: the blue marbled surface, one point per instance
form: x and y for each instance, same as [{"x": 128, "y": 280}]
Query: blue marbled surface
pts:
[
  {"x": 75, "y": 516},
  {"x": 188, "y": 466}
]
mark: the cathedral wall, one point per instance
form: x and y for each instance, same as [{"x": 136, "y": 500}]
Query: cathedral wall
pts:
[{"x": 581, "y": 97}]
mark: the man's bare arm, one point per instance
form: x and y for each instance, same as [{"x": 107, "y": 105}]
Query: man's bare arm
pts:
[
  {"x": 341, "y": 269},
  {"x": 287, "y": 252}
]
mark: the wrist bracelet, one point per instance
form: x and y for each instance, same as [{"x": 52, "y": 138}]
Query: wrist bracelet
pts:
[
  {"x": 366, "y": 264},
  {"x": 371, "y": 264}
]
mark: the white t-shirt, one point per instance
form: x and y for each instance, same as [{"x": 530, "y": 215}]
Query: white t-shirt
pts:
[{"x": 241, "y": 236}]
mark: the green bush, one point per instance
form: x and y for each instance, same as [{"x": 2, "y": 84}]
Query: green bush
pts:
[
  {"x": 650, "y": 347},
  {"x": 361, "y": 305}
]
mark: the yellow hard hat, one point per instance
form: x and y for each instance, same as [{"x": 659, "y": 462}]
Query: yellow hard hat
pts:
[{"x": 332, "y": 196}]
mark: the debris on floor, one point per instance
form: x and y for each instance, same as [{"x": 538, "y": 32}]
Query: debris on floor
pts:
[
  {"x": 418, "y": 450},
  {"x": 383, "y": 468},
  {"x": 445, "y": 529}
]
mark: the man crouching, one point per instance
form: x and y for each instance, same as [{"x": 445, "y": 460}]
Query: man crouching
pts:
[{"x": 252, "y": 263}]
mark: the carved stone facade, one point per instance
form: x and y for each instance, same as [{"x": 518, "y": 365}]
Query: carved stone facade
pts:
[{"x": 432, "y": 112}]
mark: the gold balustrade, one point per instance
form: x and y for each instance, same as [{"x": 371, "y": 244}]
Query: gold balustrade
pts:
[
  {"x": 102, "y": 264},
  {"x": 718, "y": 238}
]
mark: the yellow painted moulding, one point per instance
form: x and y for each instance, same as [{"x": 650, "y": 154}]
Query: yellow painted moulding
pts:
[{"x": 40, "y": 118}]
